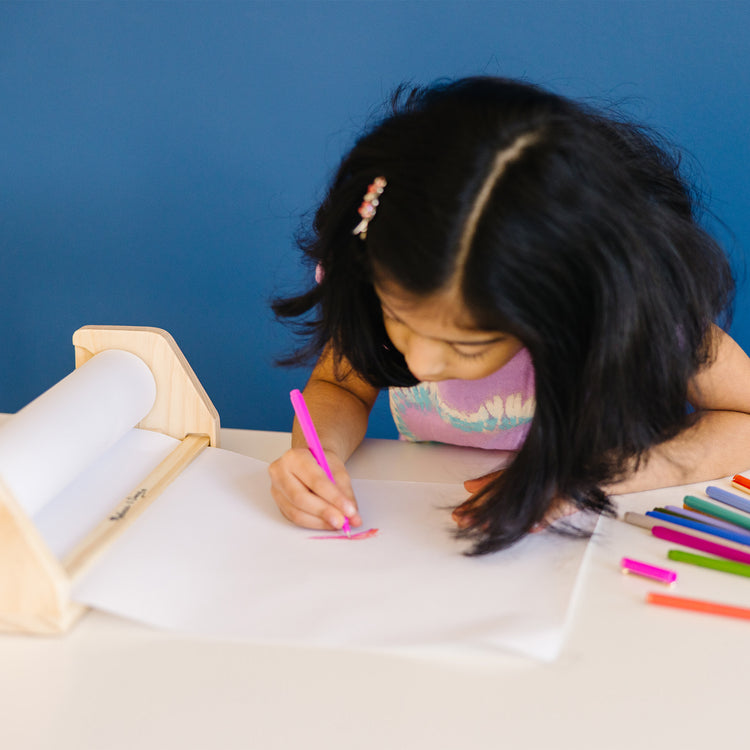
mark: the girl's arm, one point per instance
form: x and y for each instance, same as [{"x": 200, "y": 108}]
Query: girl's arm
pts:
[
  {"x": 340, "y": 410},
  {"x": 718, "y": 443}
]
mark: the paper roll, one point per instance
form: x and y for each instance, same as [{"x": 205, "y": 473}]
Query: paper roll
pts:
[{"x": 54, "y": 438}]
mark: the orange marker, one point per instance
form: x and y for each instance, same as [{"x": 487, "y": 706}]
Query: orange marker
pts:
[{"x": 698, "y": 605}]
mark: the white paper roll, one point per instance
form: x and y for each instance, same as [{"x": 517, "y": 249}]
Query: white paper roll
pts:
[{"x": 51, "y": 440}]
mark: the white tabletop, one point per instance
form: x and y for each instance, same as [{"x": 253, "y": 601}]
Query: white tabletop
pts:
[{"x": 630, "y": 675}]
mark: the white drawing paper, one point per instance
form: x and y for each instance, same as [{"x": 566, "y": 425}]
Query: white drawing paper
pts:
[{"x": 214, "y": 557}]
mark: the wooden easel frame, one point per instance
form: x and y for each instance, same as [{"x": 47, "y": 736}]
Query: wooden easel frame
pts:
[{"x": 35, "y": 586}]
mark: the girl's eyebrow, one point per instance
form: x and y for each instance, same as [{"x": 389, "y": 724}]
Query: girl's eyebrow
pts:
[{"x": 486, "y": 342}]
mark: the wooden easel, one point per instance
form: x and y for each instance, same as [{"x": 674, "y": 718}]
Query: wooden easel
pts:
[{"x": 35, "y": 586}]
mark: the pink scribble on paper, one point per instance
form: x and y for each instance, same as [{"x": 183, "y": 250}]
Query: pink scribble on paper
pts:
[{"x": 359, "y": 535}]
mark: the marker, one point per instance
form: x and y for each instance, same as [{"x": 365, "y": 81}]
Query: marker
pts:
[
  {"x": 694, "y": 542},
  {"x": 702, "y": 518},
  {"x": 741, "y": 483},
  {"x": 639, "y": 568},
  {"x": 697, "y": 605},
  {"x": 728, "y": 498},
  {"x": 674, "y": 521},
  {"x": 725, "y": 566},
  {"x": 706, "y": 506},
  {"x": 649, "y": 520},
  {"x": 313, "y": 441}
]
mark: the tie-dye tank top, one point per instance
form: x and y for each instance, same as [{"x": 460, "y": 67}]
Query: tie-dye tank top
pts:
[{"x": 493, "y": 413}]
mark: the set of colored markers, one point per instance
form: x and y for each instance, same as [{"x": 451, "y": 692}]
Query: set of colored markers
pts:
[{"x": 698, "y": 525}]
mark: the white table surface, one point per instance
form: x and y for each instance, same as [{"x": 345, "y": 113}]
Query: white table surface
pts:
[{"x": 630, "y": 675}]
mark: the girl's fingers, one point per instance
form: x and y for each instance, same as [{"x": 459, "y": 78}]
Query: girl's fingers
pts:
[
  {"x": 300, "y": 504},
  {"x": 463, "y": 514},
  {"x": 312, "y": 515},
  {"x": 559, "y": 510},
  {"x": 305, "y": 520},
  {"x": 475, "y": 485},
  {"x": 462, "y": 520},
  {"x": 307, "y": 497}
]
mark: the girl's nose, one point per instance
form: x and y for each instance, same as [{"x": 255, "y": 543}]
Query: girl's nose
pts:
[{"x": 425, "y": 358}]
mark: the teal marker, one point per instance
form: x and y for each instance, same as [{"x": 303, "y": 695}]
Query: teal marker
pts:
[{"x": 705, "y": 506}]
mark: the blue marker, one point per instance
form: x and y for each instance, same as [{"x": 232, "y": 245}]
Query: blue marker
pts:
[
  {"x": 728, "y": 498},
  {"x": 732, "y": 536}
]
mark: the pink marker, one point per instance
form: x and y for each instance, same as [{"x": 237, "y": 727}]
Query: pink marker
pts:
[
  {"x": 648, "y": 571},
  {"x": 694, "y": 542},
  {"x": 313, "y": 441}
]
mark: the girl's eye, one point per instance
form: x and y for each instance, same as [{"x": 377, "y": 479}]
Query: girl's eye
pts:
[{"x": 470, "y": 354}]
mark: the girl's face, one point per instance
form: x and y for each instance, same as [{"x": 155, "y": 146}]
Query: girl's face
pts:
[{"x": 438, "y": 339}]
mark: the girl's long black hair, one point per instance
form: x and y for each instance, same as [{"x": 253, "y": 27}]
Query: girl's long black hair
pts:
[{"x": 588, "y": 249}]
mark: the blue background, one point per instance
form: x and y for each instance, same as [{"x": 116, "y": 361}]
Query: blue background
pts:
[{"x": 156, "y": 159}]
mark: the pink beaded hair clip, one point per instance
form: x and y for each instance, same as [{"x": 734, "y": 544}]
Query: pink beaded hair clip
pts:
[{"x": 369, "y": 205}]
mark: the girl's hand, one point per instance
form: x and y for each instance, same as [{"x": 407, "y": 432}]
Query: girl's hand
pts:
[
  {"x": 307, "y": 497},
  {"x": 462, "y": 515},
  {"x": 559, "y": 509},
  {"x": 474, "y": 485}
]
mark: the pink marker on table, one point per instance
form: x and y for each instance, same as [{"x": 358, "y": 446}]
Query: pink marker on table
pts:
[
  {"x": 689, "y": 540},
  {"x": 663, "y": 575},
  {"x": 313, "y": 441}
]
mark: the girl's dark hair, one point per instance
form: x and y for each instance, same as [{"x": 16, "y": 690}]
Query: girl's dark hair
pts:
[{"x": 567, "y": 227}]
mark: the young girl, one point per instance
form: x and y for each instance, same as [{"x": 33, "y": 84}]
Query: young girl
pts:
[{"x": 524, "y": 272}]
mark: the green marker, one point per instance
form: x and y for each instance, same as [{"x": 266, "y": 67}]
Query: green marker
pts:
[{"x": 726, "y": 566}]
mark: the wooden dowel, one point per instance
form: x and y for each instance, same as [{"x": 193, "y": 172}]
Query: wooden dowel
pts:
[{"x": 129, "y": 509}]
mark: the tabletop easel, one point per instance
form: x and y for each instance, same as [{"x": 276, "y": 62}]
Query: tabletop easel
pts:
[{"x": 35, "y": 586}]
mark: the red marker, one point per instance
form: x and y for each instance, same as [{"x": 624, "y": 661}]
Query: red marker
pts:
[{"x": 741, "y": 483}]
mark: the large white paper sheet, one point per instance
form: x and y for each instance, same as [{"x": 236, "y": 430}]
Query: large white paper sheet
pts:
[{"x": 214, "y": 557}]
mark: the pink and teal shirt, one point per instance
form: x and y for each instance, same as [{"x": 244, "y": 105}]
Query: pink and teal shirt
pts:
[{"x": 493, "y": 413}]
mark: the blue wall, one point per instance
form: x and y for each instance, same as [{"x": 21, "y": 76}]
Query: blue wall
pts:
[{"x": 156, "y": 158}]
